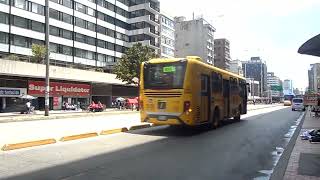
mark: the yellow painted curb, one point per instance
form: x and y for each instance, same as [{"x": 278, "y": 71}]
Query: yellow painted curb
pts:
[
  {"x": 140, "y": 126},
  {"x": 113, "y": 131},
  {"x": 8, "y": 147},
  {"x": 78, "y": 136}
]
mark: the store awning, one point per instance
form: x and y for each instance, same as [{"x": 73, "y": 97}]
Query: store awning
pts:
[{"x": 311, "y": 47}]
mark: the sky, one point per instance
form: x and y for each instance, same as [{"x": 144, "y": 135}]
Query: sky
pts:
[{"x": 271, "y": 29}]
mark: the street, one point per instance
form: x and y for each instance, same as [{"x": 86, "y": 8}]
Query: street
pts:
[{"x": 237, "y": 150}]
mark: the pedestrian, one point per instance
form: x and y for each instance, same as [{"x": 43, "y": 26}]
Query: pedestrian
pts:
[{"x": 28, "y": 107}]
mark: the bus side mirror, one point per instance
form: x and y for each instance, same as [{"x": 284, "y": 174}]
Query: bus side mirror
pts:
[{"x": 248, "y": 86}]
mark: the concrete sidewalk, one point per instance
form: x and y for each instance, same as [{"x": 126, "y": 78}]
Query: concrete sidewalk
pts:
[{"x": 298, "y": 166}]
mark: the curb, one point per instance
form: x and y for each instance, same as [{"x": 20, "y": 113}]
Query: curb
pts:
[
  {"x": 113, "y": 131},
  {"x": 8, "y": 147},
  {"x": 139, "y": 127},
  {"x": 78, "y": 136},
  {"x": 281, "y": 167}
]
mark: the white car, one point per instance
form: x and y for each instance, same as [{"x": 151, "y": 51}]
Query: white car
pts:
[{"x": 297, "y": 104}]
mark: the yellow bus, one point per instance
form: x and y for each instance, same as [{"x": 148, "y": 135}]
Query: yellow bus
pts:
[{"x": 186, "y": 91}]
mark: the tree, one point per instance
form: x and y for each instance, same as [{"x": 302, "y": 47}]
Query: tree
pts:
[
  {"x": 127, "y": 68},
  {"x": 13, "y": 57},
  {"x": 38, "y": 52}
]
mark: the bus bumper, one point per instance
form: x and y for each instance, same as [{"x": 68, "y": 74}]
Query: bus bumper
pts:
[{"x": 164, "y": 120}]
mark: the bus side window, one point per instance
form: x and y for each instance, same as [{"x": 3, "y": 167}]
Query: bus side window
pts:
[{"x": 216, "y": 82}]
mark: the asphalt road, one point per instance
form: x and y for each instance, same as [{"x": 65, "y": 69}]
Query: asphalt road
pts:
[{"x": 237, "y": 150}]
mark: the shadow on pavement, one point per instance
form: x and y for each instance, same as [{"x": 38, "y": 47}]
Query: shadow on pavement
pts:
[{"x": 233, "y": 151}]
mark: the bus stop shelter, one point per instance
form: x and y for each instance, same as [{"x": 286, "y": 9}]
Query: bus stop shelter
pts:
[{"x": 311, "y": 47}]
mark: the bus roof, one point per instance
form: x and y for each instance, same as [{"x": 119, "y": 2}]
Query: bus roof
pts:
[{"x": 195, "y": 60}]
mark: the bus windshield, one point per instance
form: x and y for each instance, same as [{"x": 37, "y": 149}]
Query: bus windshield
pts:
[{"x": 164, "y": 75}]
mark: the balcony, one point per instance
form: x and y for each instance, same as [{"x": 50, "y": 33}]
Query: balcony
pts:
[
  {"x": 147, "y": 18},
  {"x": 147, "y": 31},
  {"x": 148, "y": 6}
]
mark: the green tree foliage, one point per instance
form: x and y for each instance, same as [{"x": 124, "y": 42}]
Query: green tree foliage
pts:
[
  {"x": 38, "y": 52},
  {"x": 127, "y": 68},
  {"x": 13, "y": 57}
]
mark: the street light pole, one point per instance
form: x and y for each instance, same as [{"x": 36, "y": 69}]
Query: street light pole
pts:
[{"x": 47, "y": 82}]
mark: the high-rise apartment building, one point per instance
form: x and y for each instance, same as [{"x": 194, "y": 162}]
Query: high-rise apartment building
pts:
[
  {"x": 167, "y": 36},
  {"x": 194, "y": 38},
  {"x": 256, "y": 68},
  {"x": 274, "y": 81},
  {"x": 86, "y": 32},
  {"x": 314, "y": 77},
  {"x": 222, "y": 53},
  {"x": 236, "y": 67}
]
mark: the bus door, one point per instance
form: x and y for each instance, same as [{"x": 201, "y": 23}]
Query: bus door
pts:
[
  {"x": 226, "y": 97},
  {"x": 205, "y": 98}
]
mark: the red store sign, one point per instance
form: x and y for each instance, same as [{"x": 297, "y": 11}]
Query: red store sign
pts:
[{"x": 59, "y": 89}]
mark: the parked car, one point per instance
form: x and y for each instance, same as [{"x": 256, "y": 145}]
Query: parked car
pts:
[{"x": 297, "y": 104}]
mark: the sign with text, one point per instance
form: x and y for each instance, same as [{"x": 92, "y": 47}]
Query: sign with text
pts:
[
  {"x": 310, "y": 99},
  {"x": 59, "y": 89},
  {"x": 12, "y": 92}
]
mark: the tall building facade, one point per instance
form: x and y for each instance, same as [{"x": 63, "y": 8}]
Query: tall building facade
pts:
[
  {"x": 236, "y": 67},
  {"x": 194, "y": 38},
  {"x": 222, "y": 53},
  {"x": 82, "y": 32},
  {"x": 167, "y": 36},
  {"x": 314, "y": 77},
  {"x": 256, "y": 68},
  {"x": 287, "y": 87},
  {"x": 273, "y": 80}
]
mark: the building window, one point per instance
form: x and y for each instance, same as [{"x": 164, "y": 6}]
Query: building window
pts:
[
  {"x": 66, "y": 34},
  {"x": 91, "y": 12},
  {"x": 20, "y": 22},
  {"x": 110, "y": 6},
  {"x": 91, "y": 41},
  {"x": 101, "y": 44},
  {"x": 66, "y": 18},
  {"x": 80, "y": 38},
  {"x": 80, "y": 23},
  {"x": 80, "y": 8},
  {"x": 4, "y": 38},
  {"x": 4, "y": 18},
  {"x": 54, "y": 31},
  {"x": 54, "y": 14},
  {"x": 91, "y": 26},
  {"x": 37, "y": 26},
  {"x": 110, "y": 46},
  {"x": 20, "y": 4},
  {"x": 101, "y": 29},
  {"x": 37, "y": 8},
  {"x": 101, "y": 57},
  {"x": 53, "y": 48},
  {"x": 67, "y": 50},
  {"x": 4, "y": 1},
  {"x": 67, "y": 3},
  {"x": 20, "y": 41},
  {"x": 100, "y": 2}
]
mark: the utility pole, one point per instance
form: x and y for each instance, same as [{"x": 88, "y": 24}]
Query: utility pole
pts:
[{"x": 47, "y": 82}]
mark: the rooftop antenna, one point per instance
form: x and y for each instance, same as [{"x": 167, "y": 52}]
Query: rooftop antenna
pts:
[{"x": 192, "y": 15}]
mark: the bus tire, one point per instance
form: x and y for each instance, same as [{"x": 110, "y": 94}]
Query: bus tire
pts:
[{"x": 238, "y": 117}]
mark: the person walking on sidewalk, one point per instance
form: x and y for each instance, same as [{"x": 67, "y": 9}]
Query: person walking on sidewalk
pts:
[{"x": 28, "y": 107}]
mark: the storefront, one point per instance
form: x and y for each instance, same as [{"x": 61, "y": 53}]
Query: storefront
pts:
[
  {"x": 72, "y": 93},
  {"x": 9, "y": 99}
]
